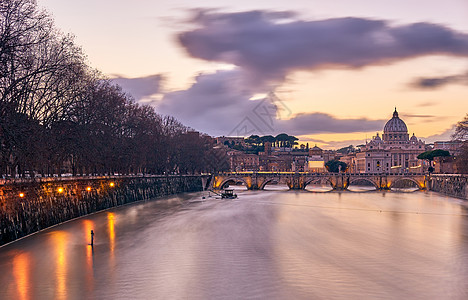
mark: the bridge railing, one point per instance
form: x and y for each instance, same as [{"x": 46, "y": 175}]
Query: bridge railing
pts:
[
  {"x": 320, "y": 174},
  {"x": 20, "y": 180}
]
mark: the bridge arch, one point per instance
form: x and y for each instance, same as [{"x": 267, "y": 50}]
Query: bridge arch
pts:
[
  {"x": 322, "y": 180},
  {"x": 235, "y": 179},
  {"x": 418, "y": 184},
  {"x": 262, "y": 186},
  {"x": 375, "y": 184}
]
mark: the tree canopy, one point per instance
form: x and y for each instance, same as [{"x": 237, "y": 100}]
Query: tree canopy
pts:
[
  {"x": 430, "y": 155},
  {"x": 335, "y": 166},
  {"x": 281, "y": 140}
]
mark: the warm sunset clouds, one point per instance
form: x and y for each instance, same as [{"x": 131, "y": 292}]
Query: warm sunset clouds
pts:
[
  {"x": 266, "y": 47},
  {"x": 326, "y": 71}
]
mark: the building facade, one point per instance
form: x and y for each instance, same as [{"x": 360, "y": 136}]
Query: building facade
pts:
[{"x": 394, "y": 152}]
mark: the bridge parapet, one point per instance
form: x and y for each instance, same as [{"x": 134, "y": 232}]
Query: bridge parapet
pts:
[{"x": 299, "y": 180}]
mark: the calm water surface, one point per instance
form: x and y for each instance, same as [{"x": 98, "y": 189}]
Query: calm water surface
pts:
[{"x": 264, "y": 245}]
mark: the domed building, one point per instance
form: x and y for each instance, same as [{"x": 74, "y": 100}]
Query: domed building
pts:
[
  {"x": 395, "y": 130},
  {"x": 395, "y": 152}
]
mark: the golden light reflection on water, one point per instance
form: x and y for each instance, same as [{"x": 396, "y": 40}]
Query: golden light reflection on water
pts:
[
  {"x": 60, "y": 239},
  {"x": 111, "y": 229},
  {"x": 21, "y": 269},
  {"x": 88, "y": 226}
]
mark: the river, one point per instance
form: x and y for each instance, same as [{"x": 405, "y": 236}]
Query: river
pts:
[{"x": 264, "y": 245}]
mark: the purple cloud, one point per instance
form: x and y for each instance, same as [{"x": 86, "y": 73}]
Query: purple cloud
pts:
[
  {"x": 313, "y": 123},
  {"x": 141, "y": 87},
  {"x": 219, "y": 104},
  {"x": 437, "y": 82},
  {"x": 213, "y": 104},
  {"x": 273, "y": 44}
]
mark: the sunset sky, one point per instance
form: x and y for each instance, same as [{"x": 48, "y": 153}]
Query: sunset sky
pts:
[{"x": 328, "y": 72}]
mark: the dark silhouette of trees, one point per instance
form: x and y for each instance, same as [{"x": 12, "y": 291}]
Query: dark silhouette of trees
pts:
[
  {"x": 336, "y": 166},
  {"x": 281, "y": 140},
  {"x": 430, "y": 155},
  {"x": 461, "y": 134},
  {"x": 461, "y": 130},
  {"x": 57, "y": 115}
]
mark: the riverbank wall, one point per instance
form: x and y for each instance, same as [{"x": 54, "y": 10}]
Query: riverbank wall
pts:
[
  {"x": 454, "y": 185},
  {"x": 30, "y": 205}
]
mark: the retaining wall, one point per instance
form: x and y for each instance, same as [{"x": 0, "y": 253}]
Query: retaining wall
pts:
[
  {"x": 27, "y": 206},
  {"x": 455, "y": 185}
]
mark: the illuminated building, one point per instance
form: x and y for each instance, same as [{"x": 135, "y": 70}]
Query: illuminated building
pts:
[{"x": 395, "y": 152}]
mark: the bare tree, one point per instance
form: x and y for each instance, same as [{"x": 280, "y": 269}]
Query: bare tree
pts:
[
  {"x": 59, "y": 115},
  {"x": 461, "y": 130}
]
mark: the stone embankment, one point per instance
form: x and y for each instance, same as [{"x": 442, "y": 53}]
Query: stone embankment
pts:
[
  {"x": 454, "y": 185},
  {"x": 27, "y": 206}
]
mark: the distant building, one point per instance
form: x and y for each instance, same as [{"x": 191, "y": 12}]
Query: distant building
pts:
[
  {"x": 445, "y": 165},
  {"x": 315, "y": 161},
  {"x": 395, "y": 152},
  {"x": 315, "y": 151},
  {"x": 454, "y": 147},
  {"x": 240, "y": 161},
  {"x": 350, "y": 161}
]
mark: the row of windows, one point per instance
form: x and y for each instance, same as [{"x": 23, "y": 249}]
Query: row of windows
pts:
[{"x": 378, "y": 164}]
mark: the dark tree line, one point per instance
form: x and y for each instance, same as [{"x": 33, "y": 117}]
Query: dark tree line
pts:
[
  {"x": 59, "y": 115},
  {"x": 281, "y": 140},
  {"x": 461, "y": 134},
  {"x": 336, "y": 166}
]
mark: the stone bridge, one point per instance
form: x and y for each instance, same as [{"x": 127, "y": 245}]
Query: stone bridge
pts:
[{"x": 300, "y": 180}]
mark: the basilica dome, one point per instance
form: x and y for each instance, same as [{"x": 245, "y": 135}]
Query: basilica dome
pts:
[
  {"x": 395, "y": 124},
  {"x": 395, "y": 131}
]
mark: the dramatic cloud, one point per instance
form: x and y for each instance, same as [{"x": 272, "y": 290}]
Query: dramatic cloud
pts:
[
  {"x": 437, "y": 82},
  {"x": 267, "y": 46},
  {"x": 142, "y": 87},
  {"x": 272, "y": 44},
  {"x": 214, "y": 104},
  {"x": 219, "y": 104},
  {"x": 312, "y": 123}
]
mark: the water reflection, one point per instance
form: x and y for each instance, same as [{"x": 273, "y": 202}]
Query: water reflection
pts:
[
  {"x": 21, "y": 273},
  {"x": 314, "y": 187},
  {"x": 88, "y": 226},
  {"x": 361, "y": 188},
  {"x": 111, "y": 230},
  {"x": 263, "y": 245},
  {"x": 276, "y": 187},
  {"x": 59, "y": 240}
]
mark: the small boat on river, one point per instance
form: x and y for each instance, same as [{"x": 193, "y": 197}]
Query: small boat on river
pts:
[{"x": 228, "y": 194}]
